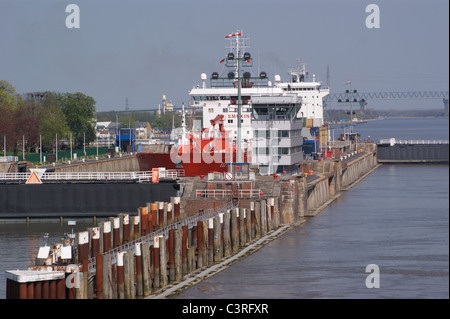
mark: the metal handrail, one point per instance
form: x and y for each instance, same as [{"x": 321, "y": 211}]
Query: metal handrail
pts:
[
  {"x": 55, "y": 176},
  {"x": 220, "y": 193},
  {"x": 189, "y": 221}
]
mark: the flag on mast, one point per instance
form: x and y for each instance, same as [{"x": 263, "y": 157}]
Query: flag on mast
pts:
[
  {"x": 348, "y": 82},
  {"x": 222, "y": 61}
]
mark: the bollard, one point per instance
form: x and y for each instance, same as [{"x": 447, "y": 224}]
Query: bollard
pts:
[
  {"x": 106, "y": 236},
  {"x": 139, "y": 280}
]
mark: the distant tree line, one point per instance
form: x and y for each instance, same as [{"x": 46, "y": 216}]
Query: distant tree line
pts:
[
  {"x": 44, "y": 114},
  {"x": 125, "y": 120}
]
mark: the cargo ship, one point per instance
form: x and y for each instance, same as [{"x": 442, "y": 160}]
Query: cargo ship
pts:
[{"x": 227, "y": 101}]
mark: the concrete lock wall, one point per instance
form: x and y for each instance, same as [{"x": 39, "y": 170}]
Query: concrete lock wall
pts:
[{"x": 120, "y": 164}]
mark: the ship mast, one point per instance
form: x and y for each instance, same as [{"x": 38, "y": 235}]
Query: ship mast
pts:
[{"x": 237, "y": 36}]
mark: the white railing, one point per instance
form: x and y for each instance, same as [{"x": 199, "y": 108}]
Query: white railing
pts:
[
  {"x": 222, "y": 193},
  {"x": 404, "y": 142},
  {"x": 95, "y": 176}
]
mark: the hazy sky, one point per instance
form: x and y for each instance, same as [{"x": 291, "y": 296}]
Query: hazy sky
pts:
[{"x": 141, "y": 49}]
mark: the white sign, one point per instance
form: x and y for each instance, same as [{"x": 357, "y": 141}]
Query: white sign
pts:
[{"x": 229, "y": 176}]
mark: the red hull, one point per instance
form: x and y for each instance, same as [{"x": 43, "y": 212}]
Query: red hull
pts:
[{"x": 147, "y": 161}]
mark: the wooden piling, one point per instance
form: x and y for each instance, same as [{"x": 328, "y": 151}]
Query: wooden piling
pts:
[
  {"x": 257, "y": 220},
  {"x": 139, "y": 280},
  {"x": 184, "y": 247},
  {"x": 252, "y": 220},
  {"x": 241, "y": 227},
  {"x": 83, "y": 246},
  {"x": 161, "y": 217},
  {"x": 99, "y": 276},
  {"x": 156, "y": 257},
  {"x": 125, "y": 228},
  {"x": 163, "y": 261},
  {"x": 107, "y": 277},
  {"x": 226, "y": 234},
  {"x": 146, "y": 280},
  {"x": 128, "y": 270},
  {"x": 172, "y": 255},
  {"x": 176, "y": 208},
  {"x": 234, "y": 231},
  {"x": 143, "y": 214},
  {"x": 199, "y": 244},
  {"x": 217, "y": 240},
  {"x": 106, "y": 236},
  {"x": 116, "y": 232},
  {"x": 211, "y": 241},
  {"x": 178, "y": 238},
  {"x": 170, "y": 218},
  {"x": 154, "y": 218},
  {"x": 120, "y": 276},
  {"x": 95, "y": 241}
]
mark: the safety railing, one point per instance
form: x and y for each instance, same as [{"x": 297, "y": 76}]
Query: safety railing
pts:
[{"x": 224, "y": 193}]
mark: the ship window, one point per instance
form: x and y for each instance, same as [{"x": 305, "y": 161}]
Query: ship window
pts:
[
  {"x": 218, "y": 186},
  {"x": 225, "y": 110},
  {"x": 210, "y": 110},
  {"x": 230, "y": 121},
  {"x": 224, "y": 97}
]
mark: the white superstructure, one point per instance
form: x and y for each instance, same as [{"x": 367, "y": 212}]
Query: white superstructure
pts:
[{"x": 220, "y": 97}]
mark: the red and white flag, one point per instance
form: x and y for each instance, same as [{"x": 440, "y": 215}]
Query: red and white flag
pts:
[{"x": 348, "y": 82}]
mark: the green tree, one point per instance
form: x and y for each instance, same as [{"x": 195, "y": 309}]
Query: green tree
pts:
[
  {"x": 52, "y": 121},
  {"x": 79, "y": 111}
]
